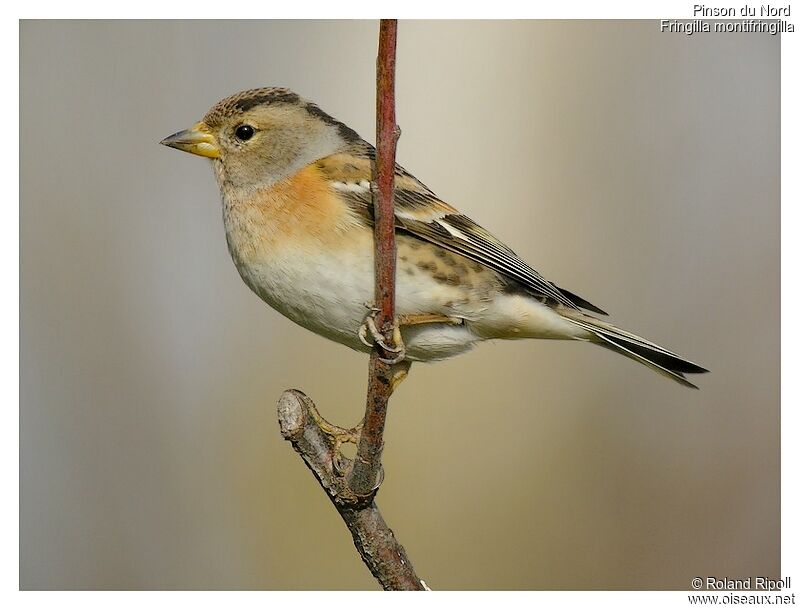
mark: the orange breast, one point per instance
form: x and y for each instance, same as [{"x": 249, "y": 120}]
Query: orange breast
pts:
[{"x": 301, "y": 211}]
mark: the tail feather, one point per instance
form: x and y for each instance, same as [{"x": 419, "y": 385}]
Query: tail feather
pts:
[{"x": 651, "y": 355}]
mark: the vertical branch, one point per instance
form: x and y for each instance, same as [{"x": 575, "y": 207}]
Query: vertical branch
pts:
[
  {"x": 383, "y": 194},
  {"x": 352, "y": 484},
  {"x": 365, "y": 475}
]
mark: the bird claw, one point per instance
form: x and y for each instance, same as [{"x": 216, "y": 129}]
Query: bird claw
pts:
[
  {"x": 401, "y": 355},
  {"x": 379, "y": 481},
  {"x": 362, "y": 335},
  {"x": 370, "y": 336}
]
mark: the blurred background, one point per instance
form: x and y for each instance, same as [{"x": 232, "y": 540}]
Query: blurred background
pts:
[{"x": 639, "y": 169}]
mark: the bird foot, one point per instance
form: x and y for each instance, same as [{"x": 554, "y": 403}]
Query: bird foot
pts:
[{"x": 370, "y": 335}]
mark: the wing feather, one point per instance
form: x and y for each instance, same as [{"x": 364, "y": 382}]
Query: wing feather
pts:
[{"x": 420, "y": 213}]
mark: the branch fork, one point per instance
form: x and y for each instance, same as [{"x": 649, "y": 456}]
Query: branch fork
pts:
[{"x": 376, "y": 543}]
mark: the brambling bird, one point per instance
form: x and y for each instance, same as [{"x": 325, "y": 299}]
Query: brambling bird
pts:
[{"x": 297, "y": 209}]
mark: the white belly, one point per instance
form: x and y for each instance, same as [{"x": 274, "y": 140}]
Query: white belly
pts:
[
  {"x": 324, "y": 282},
  {"x": 329, "y": 296}
]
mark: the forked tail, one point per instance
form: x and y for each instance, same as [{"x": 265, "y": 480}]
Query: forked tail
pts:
[{"x": 657, "y": 358}]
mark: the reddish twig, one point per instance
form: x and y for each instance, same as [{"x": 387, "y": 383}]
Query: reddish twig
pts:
[
  {"x": 383, "y": 193},
  {"x": 352, "y": 484},
  {"x": 365, "y": 475}
]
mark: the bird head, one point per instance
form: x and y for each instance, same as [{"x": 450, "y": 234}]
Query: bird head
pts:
[{"x": 258, "y": 137}]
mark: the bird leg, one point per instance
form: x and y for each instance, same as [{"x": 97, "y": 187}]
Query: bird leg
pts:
[
  {"x": 369, "y": 334},
  {"x": 428, "y": 318}
]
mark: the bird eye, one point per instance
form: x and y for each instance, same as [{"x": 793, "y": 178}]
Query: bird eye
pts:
[{"x": 244, "y": 132}]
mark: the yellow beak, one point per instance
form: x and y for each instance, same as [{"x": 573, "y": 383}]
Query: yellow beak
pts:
[{"x": 198, "y": 140}]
